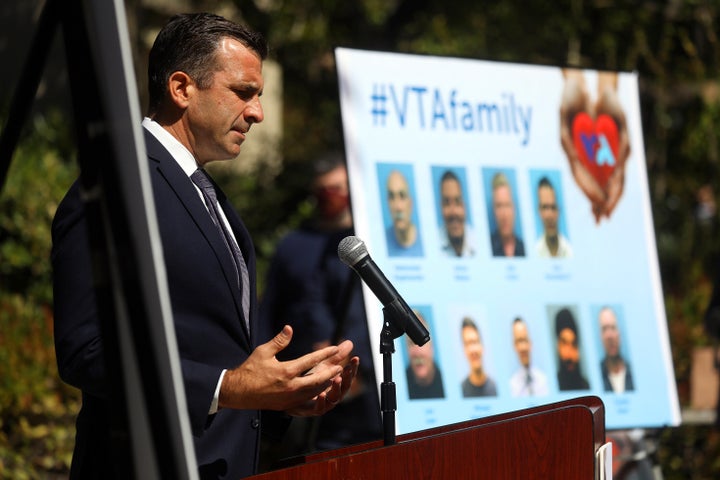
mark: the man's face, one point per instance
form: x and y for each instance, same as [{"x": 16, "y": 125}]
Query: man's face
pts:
[
  {"x": 548, "y": 210},
  {"x": 331, "y": 191},
  {"x": 453, "y": 209},
  {"x": 421, "y": 362},
  {"x": 218, "y": 118},
  {"x": 399, "y": 201},
  {"x": 473, "y": 348},
  {"x": 504, "y": 210},
  {"x": 522, "y": 344},
  {"x": 609, "y": 333},
  {"x": 568, "y": 349}
]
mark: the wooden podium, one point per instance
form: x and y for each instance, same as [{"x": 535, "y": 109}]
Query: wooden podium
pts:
[{"x": 555, "y": 441}]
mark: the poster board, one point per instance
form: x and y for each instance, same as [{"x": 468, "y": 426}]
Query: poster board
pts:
[{"x": 410, "y": 119}]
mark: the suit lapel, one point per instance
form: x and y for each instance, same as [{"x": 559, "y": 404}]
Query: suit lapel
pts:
[{"x": 189, "y": 197}]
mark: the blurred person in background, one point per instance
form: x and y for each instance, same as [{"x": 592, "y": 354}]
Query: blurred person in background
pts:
[{"x": 310, "y": 289}]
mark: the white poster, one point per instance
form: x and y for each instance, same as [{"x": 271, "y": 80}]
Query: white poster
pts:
[{"x": 508, "y": 204}]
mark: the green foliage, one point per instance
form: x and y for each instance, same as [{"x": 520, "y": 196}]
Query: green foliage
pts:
[
  {"x": 36, "y": 410},
  {"x": 690, "y": 452},
  {"x": 673, "y": 46},
  {"x": 685, "y": 323},
  {"x": 33, "y": 189},
  {"x": 37, "y": 417},
  {"x": 687, "y": 161}
]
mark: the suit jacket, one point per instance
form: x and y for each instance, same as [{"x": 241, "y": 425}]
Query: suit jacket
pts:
[
  {"x": 499, "y": 251},
  {"x": 607, "y": 385},
  {"x": 207, "y": 313}
]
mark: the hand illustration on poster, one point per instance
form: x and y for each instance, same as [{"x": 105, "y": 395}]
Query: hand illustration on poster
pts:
[{"x": 594, "y": 136}]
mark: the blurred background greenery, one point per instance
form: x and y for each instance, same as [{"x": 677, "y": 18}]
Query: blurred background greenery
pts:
[{"x": 673, "y": 45}]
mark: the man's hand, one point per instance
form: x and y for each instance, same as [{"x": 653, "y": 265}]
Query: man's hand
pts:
[
  {"x": 609, "y": 104},
  {"x": 324, "y": 402},
  {"x": 574, "y": 100},
  {"x": 309, "y": 385}
]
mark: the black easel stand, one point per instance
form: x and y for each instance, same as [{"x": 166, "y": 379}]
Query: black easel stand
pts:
[{"x": 147, "y": 437}]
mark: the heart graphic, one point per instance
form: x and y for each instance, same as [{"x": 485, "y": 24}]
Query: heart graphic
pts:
[{"x": 596, "y": 142}]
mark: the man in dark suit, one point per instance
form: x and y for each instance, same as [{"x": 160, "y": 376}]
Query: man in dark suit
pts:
[
  {"x": 205, "y": 80},
  {"x": 569, "y": 376},
  {"x": 616, "y": 372},
  {"x": 504, "y": 240}
]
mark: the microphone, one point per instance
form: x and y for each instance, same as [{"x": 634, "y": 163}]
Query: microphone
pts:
[{"x": 354, "y": 254}]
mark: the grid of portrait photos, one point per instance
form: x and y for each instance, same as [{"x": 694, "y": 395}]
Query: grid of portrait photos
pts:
[{"x": 516, "y": 223}]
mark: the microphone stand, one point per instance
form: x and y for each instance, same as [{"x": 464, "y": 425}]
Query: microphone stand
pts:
[{"x": 393, "y": 317}]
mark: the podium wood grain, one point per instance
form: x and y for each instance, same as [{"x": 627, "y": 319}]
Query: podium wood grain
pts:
[{"x": 555, "y": 441}]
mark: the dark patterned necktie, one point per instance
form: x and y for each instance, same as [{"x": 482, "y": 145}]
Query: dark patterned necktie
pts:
[
  {"x": 200, "y": 178},
  {"x": 529, "y": 382}
]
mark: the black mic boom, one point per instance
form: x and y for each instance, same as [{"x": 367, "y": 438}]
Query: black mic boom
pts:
[{"x": 354, "y": 254}]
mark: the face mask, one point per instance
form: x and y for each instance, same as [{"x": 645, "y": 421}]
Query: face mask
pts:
[{"x": 331, "y": 202}]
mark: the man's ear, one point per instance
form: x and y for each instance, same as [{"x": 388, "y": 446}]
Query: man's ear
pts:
[{"x": 180, "y": 88}]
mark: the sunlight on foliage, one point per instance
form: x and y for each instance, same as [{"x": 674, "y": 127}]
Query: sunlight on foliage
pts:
[{"x": 37, "y": 411}]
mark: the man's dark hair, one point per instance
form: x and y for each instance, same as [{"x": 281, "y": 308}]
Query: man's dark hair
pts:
[
  {"x": 564, "y": 319},
  {"x": 468, "y": 322},
  {"x": 188, "y": 43},
  {"x": 545, "y": 182},
  {"x": 327, "y": 162},
  {"x": 449, "y": 175}
]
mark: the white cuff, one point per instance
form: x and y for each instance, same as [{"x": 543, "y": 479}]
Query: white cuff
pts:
[{"x": 216, "y": 396}]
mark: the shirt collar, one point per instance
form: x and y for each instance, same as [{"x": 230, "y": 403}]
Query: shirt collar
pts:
[{"x": 182, "y": 155}]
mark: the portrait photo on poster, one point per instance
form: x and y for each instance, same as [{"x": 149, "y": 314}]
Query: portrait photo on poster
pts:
[
  {"x": 504, "y": 225},
  {"x": 399, "y": 213},
  {"x": 454, "y": 211}
]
